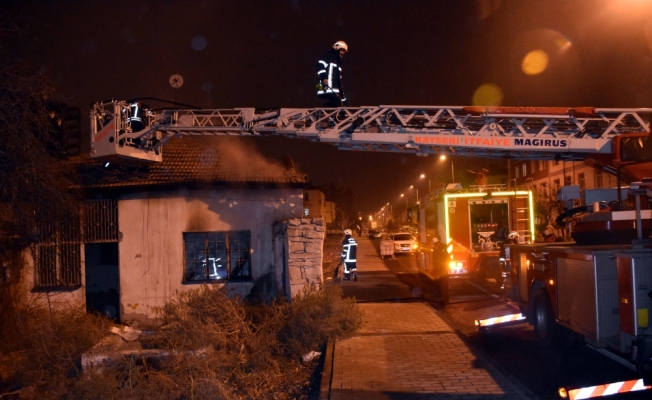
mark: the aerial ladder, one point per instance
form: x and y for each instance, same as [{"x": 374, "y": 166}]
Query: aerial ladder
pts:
[{"x": 124, "y": 130}]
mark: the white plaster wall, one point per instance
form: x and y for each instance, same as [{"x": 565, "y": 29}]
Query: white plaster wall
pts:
[
  {"x": 49, "y": 298},
  {"x": 151, "y": 250}
]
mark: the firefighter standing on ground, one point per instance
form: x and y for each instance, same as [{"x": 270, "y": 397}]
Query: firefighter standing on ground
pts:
[
  {"x": 329, "y": 69},
  {"x": 349, "y": 250}
]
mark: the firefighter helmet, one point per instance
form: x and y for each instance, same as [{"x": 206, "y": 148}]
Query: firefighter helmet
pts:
[
  {"x": 348, "y": 232},
  {"x": 341, "y": 45}
]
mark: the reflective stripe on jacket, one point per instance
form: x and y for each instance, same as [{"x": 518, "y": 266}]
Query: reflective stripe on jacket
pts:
[
  {"x": 349, "y": 249},
  {"x": 329, "y": 68}
]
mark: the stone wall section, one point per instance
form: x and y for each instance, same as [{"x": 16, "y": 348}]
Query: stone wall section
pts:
[{"x": 303, "y": 247}]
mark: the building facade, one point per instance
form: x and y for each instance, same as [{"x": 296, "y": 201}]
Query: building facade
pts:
[{"x": 151, "y": 232}]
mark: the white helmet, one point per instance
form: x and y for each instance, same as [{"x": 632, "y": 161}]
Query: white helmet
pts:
[
  {"x": 348, "y": 232},
  {"x": 512, "y": 235},
  {"x": 340, "y": 44}
]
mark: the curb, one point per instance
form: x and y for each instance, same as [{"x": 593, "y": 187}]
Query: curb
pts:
[{"x": 327, "y": 373}]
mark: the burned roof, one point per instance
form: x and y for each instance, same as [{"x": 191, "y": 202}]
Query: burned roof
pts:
[{"x": 192, "y": 160}]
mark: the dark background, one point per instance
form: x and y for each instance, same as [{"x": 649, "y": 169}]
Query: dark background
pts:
[{"x": 263, "y": 53}]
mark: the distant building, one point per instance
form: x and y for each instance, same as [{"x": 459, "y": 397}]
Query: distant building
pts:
[
  {"x": 330, "y": 212},
  {"x": 314, "y": 203},
  {"x": 545, "y": 176}
]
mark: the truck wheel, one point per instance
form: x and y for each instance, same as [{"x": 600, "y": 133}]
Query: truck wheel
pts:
[{"x": 543, "y": 319}]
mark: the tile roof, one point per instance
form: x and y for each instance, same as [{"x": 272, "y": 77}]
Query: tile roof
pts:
[{"x": 191, "y": 160}]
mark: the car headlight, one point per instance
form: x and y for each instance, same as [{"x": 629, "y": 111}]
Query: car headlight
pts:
[{"x": 415, "y": 246}]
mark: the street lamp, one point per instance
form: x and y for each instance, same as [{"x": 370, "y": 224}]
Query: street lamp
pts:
[
  {"x": 417, "y": 189},
  {"x": 443, "y": 157},
  {"x": 406, "y": 200},
  {"x": 429, "y": 188}
]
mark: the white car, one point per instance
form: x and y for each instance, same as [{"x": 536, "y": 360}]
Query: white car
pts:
[{"x": 403, "y": 242}]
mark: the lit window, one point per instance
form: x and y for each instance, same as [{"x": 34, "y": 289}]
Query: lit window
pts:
[
  {"x": 306, "y": 212},
  {"x": 517, "y": 172},
  {"x": 220, "y": 256}
]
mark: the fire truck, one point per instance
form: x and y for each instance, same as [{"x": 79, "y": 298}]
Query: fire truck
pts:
[
  {"x": 599, "y": 287},
  {"x": 470, "y": 221}
]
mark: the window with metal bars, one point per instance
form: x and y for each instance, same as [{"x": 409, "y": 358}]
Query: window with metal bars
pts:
[
  {"x": 58, "y": 255},
  {"x": 217, "y": 256}
]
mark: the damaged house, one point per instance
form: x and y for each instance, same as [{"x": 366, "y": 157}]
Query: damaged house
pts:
[{"x": 212, "y": 212}]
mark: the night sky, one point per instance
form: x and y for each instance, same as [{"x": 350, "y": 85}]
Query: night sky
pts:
[{"x": 424, "y": 52}]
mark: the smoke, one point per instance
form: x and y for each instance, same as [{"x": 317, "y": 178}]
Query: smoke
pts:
[{"x": 241, "y": 157}]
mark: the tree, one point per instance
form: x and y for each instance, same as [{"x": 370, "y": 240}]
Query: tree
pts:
[
  {"x": 34, "y": 182},
  {"x": 546, "y": 206}
]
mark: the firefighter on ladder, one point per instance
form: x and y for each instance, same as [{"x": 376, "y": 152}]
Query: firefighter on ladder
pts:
[
  {"x": 349, "y": 250},
  {"x": 329, "y": 69}
]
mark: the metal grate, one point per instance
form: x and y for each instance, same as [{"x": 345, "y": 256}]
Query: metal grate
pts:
[
  {"x": 100, "y": 221},
  {"x": 58, "y": 255}
]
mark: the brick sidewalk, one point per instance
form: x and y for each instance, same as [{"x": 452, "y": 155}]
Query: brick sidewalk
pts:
[{"x": 406, "y": 351}]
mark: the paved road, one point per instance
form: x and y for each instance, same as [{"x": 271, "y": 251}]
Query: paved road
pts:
[
  {"x": 543, "y": 370},
  {"x": 405, "y": 350}
]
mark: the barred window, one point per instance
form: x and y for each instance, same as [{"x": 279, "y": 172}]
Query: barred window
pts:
[
  {"x": 57, "y": 256},
  {"x": 220, "y": 256},
  {"x": 58, "y": 265}
]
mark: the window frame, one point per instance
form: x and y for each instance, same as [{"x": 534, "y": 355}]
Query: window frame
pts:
[{"x": 211, "y": 251}]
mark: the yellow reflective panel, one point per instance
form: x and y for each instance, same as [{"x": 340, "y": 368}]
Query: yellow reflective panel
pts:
[
  {"x": 535, "y": 62},
  {"x": 488, "y": 94}
]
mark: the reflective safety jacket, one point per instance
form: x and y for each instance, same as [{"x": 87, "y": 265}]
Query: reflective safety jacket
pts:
[
  {"x": 349, "y": 249},
  {"x": 329, "y": 67}
]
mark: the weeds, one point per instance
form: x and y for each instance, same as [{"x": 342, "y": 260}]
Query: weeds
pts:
[{"x": 212, "y": 347}]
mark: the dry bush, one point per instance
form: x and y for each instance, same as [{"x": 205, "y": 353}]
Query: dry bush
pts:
[
  {"x": 45, "y": 348},
  {"x": 213, "y": 347},
  {"x": 253, "y": 349},
  {"x": 318, "y": 316}
]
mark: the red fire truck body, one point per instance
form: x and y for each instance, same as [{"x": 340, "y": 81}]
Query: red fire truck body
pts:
[{"x": 598, "y": 286}]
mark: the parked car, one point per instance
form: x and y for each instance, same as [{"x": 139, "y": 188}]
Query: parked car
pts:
[
  {"x": 403, "y": 242},
  {"x": 374, "y": 234}
]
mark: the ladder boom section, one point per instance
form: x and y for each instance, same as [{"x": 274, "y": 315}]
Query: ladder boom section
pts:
[{"x": 123, "y": 130}]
